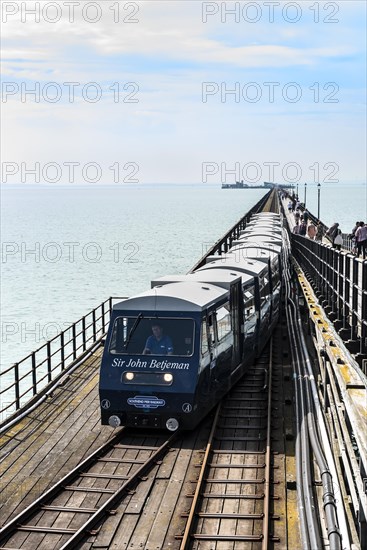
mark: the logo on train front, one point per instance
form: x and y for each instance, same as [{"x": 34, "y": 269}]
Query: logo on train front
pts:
[{"x": 146, "y": 402}]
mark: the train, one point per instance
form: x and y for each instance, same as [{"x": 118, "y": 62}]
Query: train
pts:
[{"x": 171, "y": 353}]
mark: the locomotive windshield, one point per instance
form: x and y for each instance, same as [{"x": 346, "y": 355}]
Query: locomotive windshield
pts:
[{"x": 152, "y": 336}]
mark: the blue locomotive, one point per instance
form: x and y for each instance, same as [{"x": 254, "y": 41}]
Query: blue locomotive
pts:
[{"x": 173, "y": 352}]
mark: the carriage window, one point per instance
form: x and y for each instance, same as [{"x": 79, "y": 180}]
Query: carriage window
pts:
[
  {"x": 249, "y": 301},
  {"x": 223, "y": 322},
  {"x": 204, "y": 338},
  {"x": 275, "y": 273},
  {"x": 264, "y": 289},
  {"x": 141, "y": 335}
]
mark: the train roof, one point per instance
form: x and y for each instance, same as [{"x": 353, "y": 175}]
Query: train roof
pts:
[
  {"x": 266, "y": 237},
  {"x": 218, "y": 277},
  {"x": 180, "y": 296},
  {"x": 229, "y": 261},
  {"x": 268, "y": 229},
  {"x": 214, "y": 276},
  {"x": 266, "y": 215},
  {"x": 273, "y": 247},
  {"x": 264, "y": 225},
  {"x": 253, "y": 252}
]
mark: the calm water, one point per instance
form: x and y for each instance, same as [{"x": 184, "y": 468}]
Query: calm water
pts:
[{"x": 66, "y": 249}]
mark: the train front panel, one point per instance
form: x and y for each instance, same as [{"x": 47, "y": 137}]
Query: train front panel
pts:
[{"x": 149, "y": 371}]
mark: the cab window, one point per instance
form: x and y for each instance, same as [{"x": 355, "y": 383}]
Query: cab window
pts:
[{"x": 141, "y": 335}]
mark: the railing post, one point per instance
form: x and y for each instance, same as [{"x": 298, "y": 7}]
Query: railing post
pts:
[
  {"x": 17, "y": 389},
  {"x": 363, "y": 346},
  {"x": 110, "y": 307},
  {"x": 354, "y": 320},
  {"x": 62, "y": 349},
  {"x": 103, "y": 318},
  {"x": 84, "y": 334},
  {"x": 34, "y": 374},
  {"x": 73, "y": 330},
  {"x": 49, "y": 363},
  {"x": 94, "y": 325}
]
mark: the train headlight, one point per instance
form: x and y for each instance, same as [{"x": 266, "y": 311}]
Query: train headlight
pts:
[
  {"x": 172, "y": 424},
  {"x": 114, "y": 421},
  {"x": 129, "y": 376},
  {"x": 167, "y": 377}
]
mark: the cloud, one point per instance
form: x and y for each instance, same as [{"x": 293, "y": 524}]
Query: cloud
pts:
[{"x": 169, "y": 53}]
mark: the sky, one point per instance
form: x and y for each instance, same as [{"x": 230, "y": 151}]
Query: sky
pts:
[{"x": 183, "y": 92}]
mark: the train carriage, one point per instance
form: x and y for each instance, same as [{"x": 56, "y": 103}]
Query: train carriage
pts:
[
  {"x": 172, "y": 352},
  {"x": 171, "y": 389}
]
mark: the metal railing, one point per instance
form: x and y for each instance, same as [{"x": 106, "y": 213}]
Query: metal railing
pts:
[
  {"x": 340, "y": 282},
  {"x": 225, "y": 243},
  {"x": 22, "y": 382},
  {"x": 348, "y": 243}
]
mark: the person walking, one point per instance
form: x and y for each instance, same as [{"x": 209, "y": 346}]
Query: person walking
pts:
[
  {"x": 352, "y": 237},
  {"x": 332, "y": 232},
  {"x": 305, "y": 215},
  {"x": 338, "y": 241},
  {"x": 311, "y": 231},
  {"x": 319, "y": 232},
  {"x": 296, "y": 228},
  {"x": 361, "y": 239},
  {"x": 303, "y": 228}
]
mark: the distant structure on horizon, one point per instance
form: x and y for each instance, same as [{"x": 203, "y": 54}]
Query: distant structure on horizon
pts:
[{"x": 265, "y": 185}]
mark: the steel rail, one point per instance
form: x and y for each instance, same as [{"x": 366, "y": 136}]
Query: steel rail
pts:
[
  {"x": 11, "y": 526},
  {"x": 189, "y": 523},
  {"x": 266, "y": 510},
  {"x": 264, "y": 536},
  {"x": 18, "y": 523}
]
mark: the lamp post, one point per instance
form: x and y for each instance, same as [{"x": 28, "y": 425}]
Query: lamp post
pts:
[
  {"x": 318, "y": 200},
  {"x": 305, "y": 194},
  {"x": 297, "y": 190}
]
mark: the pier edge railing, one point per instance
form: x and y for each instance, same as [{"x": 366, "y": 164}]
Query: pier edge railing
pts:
[
  {"x": 31, "y": 377},
  {"x": 340, "y": 283},
  {"x": 223, "y": 244}
]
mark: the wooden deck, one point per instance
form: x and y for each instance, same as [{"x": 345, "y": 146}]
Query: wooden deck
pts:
[{"x": 41, "y": 448}]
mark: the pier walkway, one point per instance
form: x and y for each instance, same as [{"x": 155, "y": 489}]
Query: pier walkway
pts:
[
  {"x": 52, "y": 424},
  {"x": 51, "y": 440}
]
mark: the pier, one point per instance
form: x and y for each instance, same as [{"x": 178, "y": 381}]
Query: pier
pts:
[{"x": 281, "y": 463}]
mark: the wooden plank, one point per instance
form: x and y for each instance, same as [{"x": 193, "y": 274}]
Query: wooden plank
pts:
[{"x": 51, "y": 449}]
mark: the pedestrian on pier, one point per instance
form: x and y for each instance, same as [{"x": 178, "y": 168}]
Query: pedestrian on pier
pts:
[
  {"x": 305, "y": 215},
  {"x": 338, "y": 241},
  {"x": 303, "y": 228},
  {"x": 319, "y": 232},
  {"x": 296, "y": 228},
  {"x": 332, "y": 232},
  {"x": 352, "y": 237},
  {"x": 361, "y": 239},
  {"x": 311, "y": 231}
]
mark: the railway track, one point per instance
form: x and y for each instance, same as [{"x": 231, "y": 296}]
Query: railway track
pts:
[
  {"x": 64, "y": 515},
  {"x": 231, "y": 480},
  {"x": 235, "y": 489}
]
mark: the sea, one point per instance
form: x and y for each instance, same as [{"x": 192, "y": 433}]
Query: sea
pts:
[{"x": 65, "y": 249}]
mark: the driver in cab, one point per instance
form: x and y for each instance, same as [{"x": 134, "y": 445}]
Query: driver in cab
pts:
[{"x": 158, "y": 343}]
